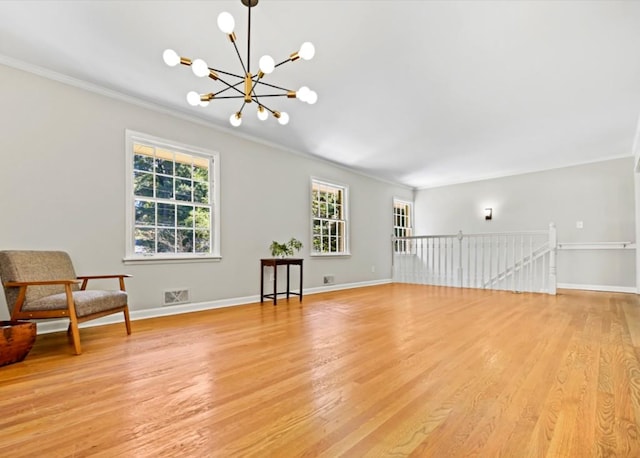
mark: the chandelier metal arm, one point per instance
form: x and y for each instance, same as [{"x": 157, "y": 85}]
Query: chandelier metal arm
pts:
[
  {"x": 235, "y": 46},
  {"x": 215, "y": 96},
  {"x": 227, "y": 73},
  {"x": 273, "y": 95},
  {"x": 283, "y": 62},
  {"x": 273, "y": 86}
]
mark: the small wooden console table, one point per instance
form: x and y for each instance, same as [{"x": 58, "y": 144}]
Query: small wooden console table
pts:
[{"x": 275, "y": 262}]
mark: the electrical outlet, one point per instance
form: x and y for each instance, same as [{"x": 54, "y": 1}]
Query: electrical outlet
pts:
[
  {"x": 373, "y": 269},
  {"x": 579, "y": 224},
  {"x": 328, "y": 279}
]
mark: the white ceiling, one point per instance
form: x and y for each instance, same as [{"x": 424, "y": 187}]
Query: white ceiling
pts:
[{"x": 422, "y": 93}]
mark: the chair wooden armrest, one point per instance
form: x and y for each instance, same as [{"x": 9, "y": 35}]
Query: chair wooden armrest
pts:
[
  {"x": 16, "y": 284},
  {"x": 95, "y": 277},
  {"x": 23, "y": 285},
  {"x": 85, "y": 279}
]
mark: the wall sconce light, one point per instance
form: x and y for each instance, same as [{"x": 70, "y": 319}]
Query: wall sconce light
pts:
[{"x": 488, "y": 213}]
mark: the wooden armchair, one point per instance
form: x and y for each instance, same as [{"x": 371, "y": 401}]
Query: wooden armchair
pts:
[{"x": 43, "y": 284}]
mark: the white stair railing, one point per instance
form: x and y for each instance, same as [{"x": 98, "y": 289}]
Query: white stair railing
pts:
[{"x": 515, "y": 261}]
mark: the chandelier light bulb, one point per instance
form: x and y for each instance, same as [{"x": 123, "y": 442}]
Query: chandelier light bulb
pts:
[
  {"x": 235, "y": 119},
  {"x": 307, "y": 50},
  {"x": 193, "y": 98},
  {"x": 284, "y": 118},
  {"x": 303, "y": 93},
  {"x": 200, "y": 68},
  {"x": 267, "y": 64},
  {"x": 203, "y": 103},
  {"x": 170, "y": 57},
  {"x": 226, "y": 23},
  {"x": 262, "y": 113},
  {"x": 312, "y": 97}
]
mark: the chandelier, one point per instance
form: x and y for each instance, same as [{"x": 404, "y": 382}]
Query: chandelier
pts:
[{"x": 246, "y": 86}]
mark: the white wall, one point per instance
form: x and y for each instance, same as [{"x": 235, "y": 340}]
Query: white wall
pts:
[
  {"x": 599, "y": 194},
  {"x": 63, "y": 187}
]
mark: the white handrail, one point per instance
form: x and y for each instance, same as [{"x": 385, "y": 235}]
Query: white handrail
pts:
[{"x": 596, "y": 246}]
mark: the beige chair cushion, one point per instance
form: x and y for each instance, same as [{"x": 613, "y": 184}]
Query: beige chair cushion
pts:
[{"x": 87, "y": 302}]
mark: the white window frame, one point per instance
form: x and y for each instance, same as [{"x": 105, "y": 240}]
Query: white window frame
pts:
[
  {"x": 131, "y": 257},
  {"x": 345, "y": 217},
  {"x": 401, "y": 247}
]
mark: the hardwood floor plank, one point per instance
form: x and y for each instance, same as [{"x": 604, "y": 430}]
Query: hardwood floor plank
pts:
[{"x": 392, "y": 370}]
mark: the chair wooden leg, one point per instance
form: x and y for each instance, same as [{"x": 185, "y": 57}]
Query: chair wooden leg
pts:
[
  {"x": 127, "y": 321},
  {"x": 75, "y": 334}
]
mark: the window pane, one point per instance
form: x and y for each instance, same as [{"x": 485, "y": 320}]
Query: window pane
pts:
[
  {"x": 337, "y": 211},
  {"x": 203, "y": 241},
  {"x": 145, "y": 241},
  {"x": 333, "y": 228},
  {"x": 185, "y": 216},
  {"x": 200, "y": 172},
  {"x": 141, "y": 162},
  {"x": 165, "y": 187},
  {"x": 166, "y": 241},
  {"x": 324, "y": 212},
  {"x": 143, "y": 184},
  {"x": 164, "y": 166},
  {"x": 145, "y": 213},
  {"x": 183, "y": 189},
  {"x": 201, "y": 192},
  {"x": 202, "y": 217},
  {"x": 183, "y": 165},
  {"x": 185, "y": 241},
  {"x": 331, "y": 210},
  {"x": 166, "y": 214}
]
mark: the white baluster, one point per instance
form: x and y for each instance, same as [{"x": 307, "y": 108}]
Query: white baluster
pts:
[{"x": 553, "y": 245}]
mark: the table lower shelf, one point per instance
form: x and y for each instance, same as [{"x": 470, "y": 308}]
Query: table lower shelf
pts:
[{"x": 291, "y": 293}]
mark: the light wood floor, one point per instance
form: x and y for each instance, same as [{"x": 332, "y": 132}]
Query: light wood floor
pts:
[{"x": 393, "y": 370}]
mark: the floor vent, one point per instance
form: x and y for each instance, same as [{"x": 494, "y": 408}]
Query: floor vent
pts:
[{"x": 176, "y": 296}]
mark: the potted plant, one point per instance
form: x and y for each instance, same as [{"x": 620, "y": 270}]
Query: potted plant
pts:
[{"x": 282, "y": 250}]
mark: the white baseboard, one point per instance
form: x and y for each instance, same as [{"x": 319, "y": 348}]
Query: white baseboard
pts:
[
  {"x": 325, "y": 289},
  {"x": 607, "y": 288},
  {"x": 48, "y": 326}
]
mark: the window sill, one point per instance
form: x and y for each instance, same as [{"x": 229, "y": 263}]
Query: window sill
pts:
[
  {"x": 330, "y": 255},
  {"x": 133, "y": 260}
]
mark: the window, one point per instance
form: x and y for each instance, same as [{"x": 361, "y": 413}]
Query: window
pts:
[
  {"x": 329, "y": 218},
  {"x": 172, "y": 200},
  {"x": 402, "y": 223}
]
